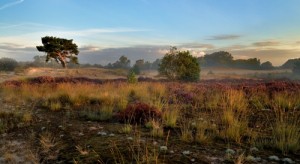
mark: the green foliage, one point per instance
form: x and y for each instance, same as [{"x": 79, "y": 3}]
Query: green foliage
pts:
[
  {"x": 225, "y": 59},
  {"x": 123, "y": 63},
  {"x": 62, "y": 50},
  {"x": 131, "y": 77},
  {"x": 136, "y": 69},
  {"x": 8, "y": 64},
  {"x": 179, "y": 65},
  {"x": 290, "y": 63},
  {"x": 296, "y": 68},
  {"x": 221, "y": 58},
  {"x": 266, "y": 65}
]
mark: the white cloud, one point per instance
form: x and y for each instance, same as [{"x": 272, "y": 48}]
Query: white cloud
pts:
[{"x": 10, "y": 4}]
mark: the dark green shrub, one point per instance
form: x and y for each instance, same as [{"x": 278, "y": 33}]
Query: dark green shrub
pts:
[{"x": 179, "y": 65}]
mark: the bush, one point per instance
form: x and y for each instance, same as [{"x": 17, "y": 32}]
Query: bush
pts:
[
  {"x": 131, "y": 78},
  {"x": 139, "y": 113},
  {"x": 8, "y": 64},
  {"x": 180, "y": 65}
]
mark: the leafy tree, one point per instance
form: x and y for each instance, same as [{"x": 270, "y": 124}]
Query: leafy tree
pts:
[
  {"x": 179, "y": 65},
  {"x": 62, "y": 50},
  {"x": 123, "y": 62},
  {"x": 296, "y": 69},
  {"x": 8, "y": 64},
  {"x": 221, "y": 58},
  {"x": 136, "y": 69},
  {"x": 290, "y": 63},
  {"x": 266, "y": 65},
  {"x": 252, "y": 63}
]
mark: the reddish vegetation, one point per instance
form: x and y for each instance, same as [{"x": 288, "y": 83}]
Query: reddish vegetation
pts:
[{"x": 139, "y": 113}]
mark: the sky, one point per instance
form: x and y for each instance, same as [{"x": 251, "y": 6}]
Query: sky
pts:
[{"x": 104, "y": 30}]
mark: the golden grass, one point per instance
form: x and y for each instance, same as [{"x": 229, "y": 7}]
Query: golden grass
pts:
[
  {"x": 286, "y": 130},
  {"x": 170, "y": 116},
  {"x": 230, "y": 109}
]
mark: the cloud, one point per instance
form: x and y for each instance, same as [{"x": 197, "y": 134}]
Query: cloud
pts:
[
  {"x": 10, "y": 4},
  {"x": 224, "y": 37},
  {"x": 110, "y": 55},
  {"x": 197, "y": 45},
  {"x": 298, "y": 42},
  {"x": 276, "y": 56},
  {"x": 266, "y": 43}
]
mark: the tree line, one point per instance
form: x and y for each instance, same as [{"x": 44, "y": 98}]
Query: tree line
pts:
[{"x": 177, "y": 65}]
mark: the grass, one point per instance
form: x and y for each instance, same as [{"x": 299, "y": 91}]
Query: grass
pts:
[
  {"x": 286, "y": 130},
  {"x": 199, "y": 114},
  {"x": 170, "y": 116}
]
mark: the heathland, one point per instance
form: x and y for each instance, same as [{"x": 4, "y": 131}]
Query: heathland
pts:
[{"x": 94, "y": 115}]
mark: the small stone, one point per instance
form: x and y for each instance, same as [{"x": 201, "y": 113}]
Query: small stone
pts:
[
  {"x": 171, "y": 152},
  {"x": 257, "y": 159},
  {"x": 129, "y": 138},
  {"x": 141, "y": 140},
  {"x": 287, "y": 160},
  {"x": 186, "y": 152},
  {"x": 163, "y": 148},
  {"x": 92, "y": 128},
  {"x": 20, "y": 135},
  {"x": 193, "y": 124},
  {"x": 60, "y": 126},
  {"x": 102, "y": 133},
  {"x": 250, "y": 158},
  {"x": 111, "y": 135},
  {"x": 43, "y": 128},
  {"x": 254, "y": 149},
  {"x": 193, "y": 160},
  {"x": 230, "y": 151},
  {"x": 273, "y": 158},
  {"x": 61, "y": 136},
  {"x": 80, "y": 134},
  {"x": 154, "y": 143}
]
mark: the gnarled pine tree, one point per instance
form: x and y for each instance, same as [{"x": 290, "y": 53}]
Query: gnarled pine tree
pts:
[{"x": 62, "y": 50}]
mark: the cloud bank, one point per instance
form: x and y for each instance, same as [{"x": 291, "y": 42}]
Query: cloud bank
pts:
[{"x": 224, "y": 37}]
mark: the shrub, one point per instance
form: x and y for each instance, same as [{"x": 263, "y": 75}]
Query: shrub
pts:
[
  {"x": 131, "y": 78},
  {"x": 8, "y": 64},
  {"x": 139, "y": 113},
  {"x": 179, "y": 65}
]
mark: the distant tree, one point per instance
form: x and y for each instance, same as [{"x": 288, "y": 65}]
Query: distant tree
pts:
[
  {"x": 296, "y": 68},
  {"x": 290, "y": 63},
  {"x": 252, "y": 63},
  {"x": 179, "y": 65},
  {"x": 62, "y": 50},
  {"x": 8, "y": 64},
  {"x": 266, "y": 65},
  {"x": 136, "y": 69},
  {"x": 221, "y": 58},
  {"x": 123, "y": 62},
  {"x": 155, "y": 64}
]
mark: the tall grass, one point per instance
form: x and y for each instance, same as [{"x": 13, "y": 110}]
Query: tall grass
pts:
[
  {"x": 286, "y": 130},
  {"x": 234, "y": 116}
]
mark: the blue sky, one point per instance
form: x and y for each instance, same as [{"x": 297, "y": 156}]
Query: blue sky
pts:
[{"x": 106, "y": 29}]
